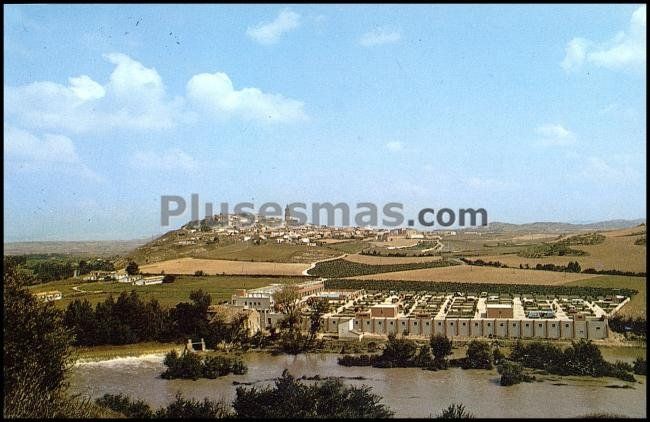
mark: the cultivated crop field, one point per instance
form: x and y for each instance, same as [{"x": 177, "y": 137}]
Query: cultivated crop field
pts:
[
  {"x": 388, "y": 260},
  {"x": 217, "y": 267},
  {"x": 475, "y": 274},
  {"x": 220, "y": 288},
  {"x": 343, "y": 268},
  {"x": 615, "y": 253}
]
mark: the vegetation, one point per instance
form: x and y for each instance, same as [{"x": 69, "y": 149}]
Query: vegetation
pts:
[
  {"x": 289, "y": 398},
  {"x": 441, "y": 348},
  {"x": 397, "y": 285},
  {"x": 343, "y": 268},
  {"x": 512, "y": 373},
  {"x": 619, "y": 285},
  {"x": 219, "y": 287},
  {"x": 640, "y": 366},
  {"x": 132, "y": 268},
  {"x": 192, "y": 366},
  {"x": 479, "y": 355},
  {"x": 37, "y": 356},
  {"x": 179, "y": 408},
  {"x": 584, "y": 239},
  {"x": 550, "y": 249},
  {"x": 582, "y": 358},
  {"x": 623, "y": 324},
  {"x": 129, "y": 320},
  {"x": 455, "y": 411},
  {"x": 44, "y": 268}
]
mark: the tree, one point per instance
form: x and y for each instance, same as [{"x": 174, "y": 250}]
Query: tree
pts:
[
  {"x": 169, "y": 278},
  {"x": 132, "y": 268},
  {"x": 440, "y": 347},
  {"x": 37, "y": 355},
  {"x": 319, "y": 307},
  {"x": 399, "y": 352},
  {"x": 289, "y": 398},
  {"x": 479, "y": 355},
  {"x": 287, "y": 301}
]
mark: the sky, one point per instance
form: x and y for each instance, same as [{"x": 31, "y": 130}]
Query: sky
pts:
[{"x": 534, "y": 113}]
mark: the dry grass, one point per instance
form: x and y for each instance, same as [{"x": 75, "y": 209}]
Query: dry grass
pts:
[
  {"x": 615, "y": 253},
  {"x": 217, "y": 266},
  {"x": 396, "y": 242},
  {"x": 389, "y": 260},
  {"x": 474, "y": 274}
]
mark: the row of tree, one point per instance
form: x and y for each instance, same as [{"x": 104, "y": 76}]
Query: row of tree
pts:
[{"x": 129, "y": 319}]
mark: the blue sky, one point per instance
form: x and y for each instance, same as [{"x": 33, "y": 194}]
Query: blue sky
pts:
[{"x": 535, "y": 113}]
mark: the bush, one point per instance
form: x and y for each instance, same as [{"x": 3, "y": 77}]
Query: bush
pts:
[
  {"x": 191, "y": 366},
  {"x": 512, "y": 373},
  {"x": 640, "y": 366},
  {"x": 123, "y": 404},
  {"x": 169, "y": 278},
  {"x": 455, "y": 411}
]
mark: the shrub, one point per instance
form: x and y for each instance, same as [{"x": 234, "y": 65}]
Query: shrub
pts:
[
  {"x": 640, "y": 366},
  {"x": 455, "y": 411},
  {"x": 512, "y": 373}
]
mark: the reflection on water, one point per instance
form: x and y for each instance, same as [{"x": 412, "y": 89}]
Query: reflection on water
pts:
[{"x": 409, "y": 392}]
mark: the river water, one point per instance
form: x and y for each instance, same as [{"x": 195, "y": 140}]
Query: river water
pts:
[{"x": 408, "y": 392}]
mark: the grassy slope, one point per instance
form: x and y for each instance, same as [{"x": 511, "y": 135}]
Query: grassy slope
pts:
[{"x": 220, "y": 288}]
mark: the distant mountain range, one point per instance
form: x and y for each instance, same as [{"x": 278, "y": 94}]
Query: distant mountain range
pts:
[
  {"x": 122, "y": 247},
  {"x": 552, "y": 227},
  {"x": 104, "y": 248}
]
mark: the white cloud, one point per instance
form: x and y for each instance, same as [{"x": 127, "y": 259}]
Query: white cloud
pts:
[
  {"x": 47, "y": 153},
  {"x": 627, "y": 50},
  {"x": 555, "y": 135},
  {"x": 134, "y": 98},
  {"x": 270, "y": 32},
  {"x": 395, "y": 146},
  {"x": 171, "y": 159},
  {"x": 216, "y": 93},
  {"x": 24, "y": 146},
  {"x": 379, "y": 36},
  {"x": 85, "y": 88},
  {"x": 576, "y": 51}
]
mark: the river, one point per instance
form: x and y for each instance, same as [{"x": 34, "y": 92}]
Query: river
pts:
[{"x": 408, "y": 392}]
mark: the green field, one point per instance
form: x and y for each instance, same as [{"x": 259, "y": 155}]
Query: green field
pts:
[
  {"x": 220, "y": 288},
  {"x": 353, "y": 246},
  {"x": 636, "y": 306},
  {"x": 343, "y": 268},
  {"x": 237, "y": 251}
]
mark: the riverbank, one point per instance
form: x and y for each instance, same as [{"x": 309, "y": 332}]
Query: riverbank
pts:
[{"x": 625, "y": 351}]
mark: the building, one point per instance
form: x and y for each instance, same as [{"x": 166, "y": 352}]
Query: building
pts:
[
  {"x": 499, "y": 310},
  {"x": 146, "y": 281},
  {"x": 49, "y": 296}
]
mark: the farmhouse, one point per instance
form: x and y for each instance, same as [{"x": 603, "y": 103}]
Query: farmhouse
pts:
[
  {"x": 49, "y": 296},
  {"x": 146, "y": 281}
]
